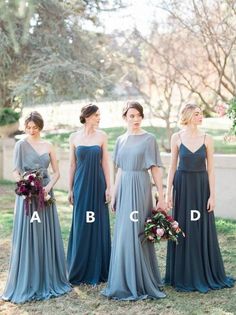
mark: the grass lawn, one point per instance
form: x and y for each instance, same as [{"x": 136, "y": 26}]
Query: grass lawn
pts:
[
  {"x": 87, "y": 300},
  {"x": 61, "y": 139}
]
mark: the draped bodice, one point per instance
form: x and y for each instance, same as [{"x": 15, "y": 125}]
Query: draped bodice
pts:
[
  {"x": 87, "y": 156},
  {"x": 26, "y": 158}
]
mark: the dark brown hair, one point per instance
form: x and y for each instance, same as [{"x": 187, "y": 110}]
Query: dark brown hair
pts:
[
  {"x": 36, "y": 118},
  {"x": 135, "y": 105},
  {"x": 87, "y": 111}
]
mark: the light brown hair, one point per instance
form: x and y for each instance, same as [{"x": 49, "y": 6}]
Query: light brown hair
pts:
[{"x": 36, "y": 118}]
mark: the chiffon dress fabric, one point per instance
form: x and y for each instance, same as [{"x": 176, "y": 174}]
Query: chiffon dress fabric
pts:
[
  {"x": 89, "y": 245},
  {"x": 134, "y": 272},
  {"x": 195, "y": 264},
  {"x": 37, "y": 268}
]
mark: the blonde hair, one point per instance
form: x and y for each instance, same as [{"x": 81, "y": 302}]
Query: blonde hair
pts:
[{"x": 186, "y": 113}]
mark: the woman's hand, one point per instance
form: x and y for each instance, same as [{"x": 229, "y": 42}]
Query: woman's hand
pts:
[
  {"x": 47, "y": 189},
  {"x": 161, "y": 204},
  {"x": 108, "y": 195},
  {"x": 70, "y": 197},
  {"x": 113, "y": 204},
  {"x": 211, "y": 204},
  {"x": 169, "y": 201}
]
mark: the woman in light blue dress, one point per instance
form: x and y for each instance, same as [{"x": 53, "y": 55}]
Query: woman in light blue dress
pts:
[
  {"x": 134, "y": 273},
  {"x": 37, "y": 268}
]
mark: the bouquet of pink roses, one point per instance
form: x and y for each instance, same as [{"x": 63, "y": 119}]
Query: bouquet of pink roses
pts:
[
  {"x": 161, "y": 226},
  {"x": 29, "y": 187}
]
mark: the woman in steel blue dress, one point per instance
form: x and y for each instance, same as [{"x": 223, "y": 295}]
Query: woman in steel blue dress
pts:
[
  {"x": 37, "y": 266},
  {"x": 89, "y": 242},
  {"x": 195, "y": 264}
]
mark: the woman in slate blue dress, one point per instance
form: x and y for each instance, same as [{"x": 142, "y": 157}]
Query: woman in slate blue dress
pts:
[
  {"x": 195, "y": 264},
  {"x": 89, "y": 243},
  {"x": 37, "y": 266},
  {"x": 134, "y": 273}
]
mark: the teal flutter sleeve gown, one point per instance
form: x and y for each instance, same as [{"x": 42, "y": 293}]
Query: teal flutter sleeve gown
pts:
[
  {"x": 89, "y": 245},
  {"x": 134, "y": 272},
  {"x": 195, "y": 264},
  {"x": 37, "y": 268}
]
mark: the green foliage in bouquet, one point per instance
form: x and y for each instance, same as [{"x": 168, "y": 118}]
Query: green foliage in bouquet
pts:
[{"x": 161, "y": 226}]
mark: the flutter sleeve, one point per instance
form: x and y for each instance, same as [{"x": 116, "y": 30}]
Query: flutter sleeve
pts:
[
  {"x": 18, "y": 157},
  {"x": 152, "y": 153},
  {"x": 115, "y": 156}
]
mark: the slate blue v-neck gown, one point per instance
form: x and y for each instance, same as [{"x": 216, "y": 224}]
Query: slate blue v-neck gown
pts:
[
  {"x": 37, "y": 268},
  {"x": 89, "y": 245},
  {"x": 195, "y": 264}
]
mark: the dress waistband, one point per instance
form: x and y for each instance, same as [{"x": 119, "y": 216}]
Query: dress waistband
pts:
[
  {"x": 191, "y": 171},
  {"x": 134, "y": 171}
]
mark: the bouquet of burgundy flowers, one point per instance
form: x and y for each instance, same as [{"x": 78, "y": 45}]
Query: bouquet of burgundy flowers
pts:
[
  {"x": 29, "y": 187},
  {"x": 161, "y": 226}
]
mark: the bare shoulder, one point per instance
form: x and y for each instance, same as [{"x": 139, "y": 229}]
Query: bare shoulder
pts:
[
  {"x": 48, "y": 144},
  {"x": 175, "y": 138},
  {"x": 101, "y": 133},
  {"x": 208, "y": 140},
  {"x": 74, "y": 135}
]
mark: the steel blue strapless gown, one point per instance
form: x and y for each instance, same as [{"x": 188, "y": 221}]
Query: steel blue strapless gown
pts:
[
  {"x": 195, "y": 264},
  {"x": 89, "y": 243}
]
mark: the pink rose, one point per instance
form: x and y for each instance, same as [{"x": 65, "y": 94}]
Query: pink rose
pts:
[
  {"x": 175, "y": 225},
  {"x": 160, "y": 232}
]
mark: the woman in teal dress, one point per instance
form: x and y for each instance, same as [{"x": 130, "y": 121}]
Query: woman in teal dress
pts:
[
  {"x": 89, "y": 242},
  {"x": 37, "y": 268},
  {"x": 134, "y": 273},
  {"x": 195, "y": 264}
]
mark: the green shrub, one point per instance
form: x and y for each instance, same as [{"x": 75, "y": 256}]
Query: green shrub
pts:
[{"x": 8, "y": 116}]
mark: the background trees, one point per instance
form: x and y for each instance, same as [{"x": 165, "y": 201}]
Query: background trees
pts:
[
  {"x": 47, "y": 51},
  {"x": 188, "y": 57}
]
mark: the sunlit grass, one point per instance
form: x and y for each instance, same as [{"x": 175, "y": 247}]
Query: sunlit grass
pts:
[
  {"x": 86, "y": 299},
  {"x": 221, "y": 146}
]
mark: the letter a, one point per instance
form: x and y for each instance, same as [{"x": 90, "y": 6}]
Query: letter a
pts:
[
  {"x": 197, "y": 213},
  {"x": 90, "y": 217},
  {"x": 35, "y": 217}
]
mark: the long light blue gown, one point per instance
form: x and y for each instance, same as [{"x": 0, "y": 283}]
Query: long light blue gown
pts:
[
  {"x": 134, "y": 272},
  {"x": 37, "y": 268}
]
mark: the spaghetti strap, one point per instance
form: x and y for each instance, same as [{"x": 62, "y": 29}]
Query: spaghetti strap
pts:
[
  {"x": 204, "y": 138},
  {"x": 180, "y": 137}
]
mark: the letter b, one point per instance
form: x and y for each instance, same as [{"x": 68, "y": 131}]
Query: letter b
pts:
[{"x": 90, "y": 216}]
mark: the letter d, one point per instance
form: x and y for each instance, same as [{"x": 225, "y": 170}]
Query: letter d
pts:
[{"x": 197, "y": 213}]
